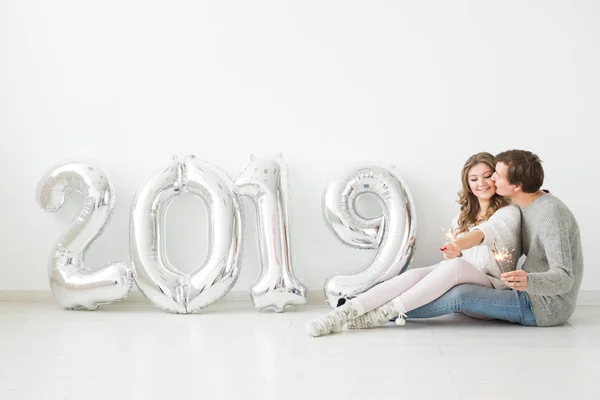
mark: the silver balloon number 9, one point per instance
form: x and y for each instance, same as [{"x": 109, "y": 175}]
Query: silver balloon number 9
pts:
[
  {"x": 73, "y": 284},
  {"x": 392, "y": 235},
  {"x": 160, "y": 282},
  {"x": 265, "y": 181}
]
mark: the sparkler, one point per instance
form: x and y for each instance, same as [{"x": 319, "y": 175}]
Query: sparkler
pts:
[
  {"x": 449, "y": 235},
  {"x": 502, "y": 255}
]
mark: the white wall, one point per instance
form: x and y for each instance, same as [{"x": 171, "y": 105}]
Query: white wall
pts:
[{"x": 421, "y": 85}]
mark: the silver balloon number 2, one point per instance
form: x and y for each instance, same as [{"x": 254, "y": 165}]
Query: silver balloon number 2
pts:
[
  {"x": 392, "y": 235},
  {"x": 160, "y": 282},
  {"x": 73, "y": 284},
  {"x": 265, "y": 181}
]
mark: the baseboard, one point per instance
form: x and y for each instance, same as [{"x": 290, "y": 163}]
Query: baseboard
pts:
[
  {"x": 233, "y": 298},
  {"x": 236, "y": 298},
  {"x": 589, "y": 298}
]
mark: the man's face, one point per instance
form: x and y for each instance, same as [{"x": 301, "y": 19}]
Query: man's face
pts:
[{"x": 503, "y": 187}]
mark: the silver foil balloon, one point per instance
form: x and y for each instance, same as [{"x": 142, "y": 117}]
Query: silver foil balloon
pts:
[
  {"x": 392, "y": 235},
  {"x": 265, "y": 181},
  {"x": 74, "y": 285},
  {"x": 159, "y": 281}
]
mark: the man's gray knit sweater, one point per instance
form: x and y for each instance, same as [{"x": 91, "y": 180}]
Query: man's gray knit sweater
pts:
[{"x": 554, "y": 262}]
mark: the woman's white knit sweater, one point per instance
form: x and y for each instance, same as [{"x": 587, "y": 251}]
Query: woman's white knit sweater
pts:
[{"x": 502, "y": 237}]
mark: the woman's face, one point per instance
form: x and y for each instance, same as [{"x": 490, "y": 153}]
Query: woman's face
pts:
[{"x": 480, "y": 181}]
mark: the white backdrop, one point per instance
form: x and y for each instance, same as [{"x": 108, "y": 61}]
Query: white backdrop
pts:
[{"x": 330, "y": 84}]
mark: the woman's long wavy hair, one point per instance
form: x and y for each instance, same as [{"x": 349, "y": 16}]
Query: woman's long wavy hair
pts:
[{"x": 469, "y": 204}]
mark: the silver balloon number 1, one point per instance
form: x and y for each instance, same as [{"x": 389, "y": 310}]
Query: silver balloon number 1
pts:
[
  {"x": 392, "y": 235},
  {"x": 265, "y": 181}
]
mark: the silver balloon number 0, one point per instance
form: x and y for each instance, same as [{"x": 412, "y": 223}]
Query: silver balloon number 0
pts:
[
  {"x": 160, "y": 282},
  {"x": 73, "y": 284},
  {"x": 265, "y": 181},
  {"x": 392, "y": 235}
]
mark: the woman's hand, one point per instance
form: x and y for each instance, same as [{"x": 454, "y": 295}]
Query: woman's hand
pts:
[
  {"x": 451, "y": 250},
  {"x": 515, "y": 279}
]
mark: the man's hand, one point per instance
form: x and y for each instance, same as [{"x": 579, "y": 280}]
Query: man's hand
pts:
[
  {"x": 515, "y": 279},
  {"x": 451, "y": 250}
]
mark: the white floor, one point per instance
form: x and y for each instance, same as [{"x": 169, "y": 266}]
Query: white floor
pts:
[{"x": 135, "y": 351}]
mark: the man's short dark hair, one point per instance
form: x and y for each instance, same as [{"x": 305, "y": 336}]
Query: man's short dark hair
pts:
[{"x": 524, "y": 169}]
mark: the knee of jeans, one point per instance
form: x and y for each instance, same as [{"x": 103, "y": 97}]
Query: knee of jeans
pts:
[{"x": 458, "y": 293}]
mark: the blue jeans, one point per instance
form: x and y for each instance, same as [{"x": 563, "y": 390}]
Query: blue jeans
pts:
[{"x": 507, "y": 305}]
